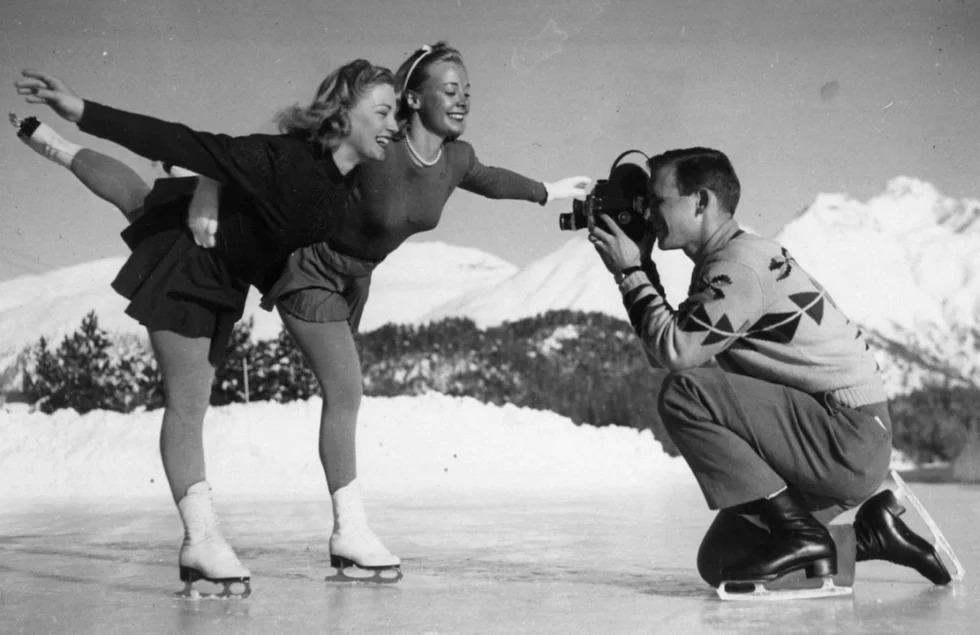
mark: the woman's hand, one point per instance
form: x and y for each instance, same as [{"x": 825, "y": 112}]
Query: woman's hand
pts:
[
  {"x": 202, "y": 214},
  {"x": 572, "y": 187},
  {"x": 41, "y": 88}
]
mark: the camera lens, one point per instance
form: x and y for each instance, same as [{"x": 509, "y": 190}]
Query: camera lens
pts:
[{"x": 565, "y": 222}]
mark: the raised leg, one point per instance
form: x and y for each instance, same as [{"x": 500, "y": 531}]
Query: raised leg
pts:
[{"x": 106, "y": 177}]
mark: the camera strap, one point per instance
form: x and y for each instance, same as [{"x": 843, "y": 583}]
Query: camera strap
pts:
[{"x": 627, "y": 153}]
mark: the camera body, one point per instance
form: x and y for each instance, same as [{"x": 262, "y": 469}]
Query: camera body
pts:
[{"x": 622, "y": 197}]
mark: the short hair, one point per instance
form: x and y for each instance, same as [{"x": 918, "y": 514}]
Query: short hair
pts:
[
  {"x": 326, "y": 120},
  {"x": 414, "y": 72},
  {"x": 696, "y": 168}
]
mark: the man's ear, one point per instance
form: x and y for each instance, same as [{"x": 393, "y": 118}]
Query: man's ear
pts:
[{"x": 704, "y": 198}]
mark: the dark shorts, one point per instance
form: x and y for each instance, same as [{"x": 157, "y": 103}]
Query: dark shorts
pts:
[{"x": 319, "y": 284}]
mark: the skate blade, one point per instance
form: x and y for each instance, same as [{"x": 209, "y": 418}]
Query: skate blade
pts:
[
  {"x": 939, "y": 540},
  {"x": 760, "y": 593},
  {"x": 232, "y": 589},
  {"x": 349, "y": 572}
]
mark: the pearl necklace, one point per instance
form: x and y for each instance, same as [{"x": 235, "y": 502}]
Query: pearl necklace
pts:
[{"x": 415, "y": 154}]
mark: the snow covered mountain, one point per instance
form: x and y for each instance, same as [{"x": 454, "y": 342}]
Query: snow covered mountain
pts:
[
  {"x": 905, "y": 265},
  {"x": 572, "y": 277},
  {"x": 907, "y": 258},
  {"x": 409, "y": 283}
]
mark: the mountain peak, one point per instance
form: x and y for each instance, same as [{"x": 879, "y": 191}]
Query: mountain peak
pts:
[{"x": 906, "y": 205}]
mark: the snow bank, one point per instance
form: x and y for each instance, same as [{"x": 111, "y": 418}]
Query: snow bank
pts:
[{"x": 429, "y": 445}]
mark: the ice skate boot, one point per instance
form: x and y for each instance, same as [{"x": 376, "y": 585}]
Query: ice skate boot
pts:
[
  {"x": 353, "y": 544},
  {"x": 44, "y": 140},
  {"x": 798, "y": 542},
  {"x": 940, "y": 546},
  {"x": 881, "y": 535},
  {"x": 205, "y": 555}
]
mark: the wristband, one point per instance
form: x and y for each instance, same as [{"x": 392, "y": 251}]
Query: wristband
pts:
[{"x": 625, "y": 273}]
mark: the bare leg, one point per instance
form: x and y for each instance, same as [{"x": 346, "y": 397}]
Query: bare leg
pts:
[
  {"x": 187, "y": 379},
  {"x": 106, "y": 177},
  {"x": 112, "y": 181},
  {"x": 330, "y": 351}
]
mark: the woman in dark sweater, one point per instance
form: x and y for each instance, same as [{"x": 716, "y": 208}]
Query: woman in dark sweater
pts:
[{"x": 280, "y": 193}]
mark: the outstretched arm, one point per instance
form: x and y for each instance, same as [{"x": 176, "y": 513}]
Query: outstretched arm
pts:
[
  {"x": 243, "y": 160},
  {"x": 500, "y": 183}
]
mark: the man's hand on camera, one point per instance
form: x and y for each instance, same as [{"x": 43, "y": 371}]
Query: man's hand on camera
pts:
[
  {"x": 617, "y": 250},
  {"x": 647, "y": 243}
]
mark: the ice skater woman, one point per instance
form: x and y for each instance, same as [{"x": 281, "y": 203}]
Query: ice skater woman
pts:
[
  {"x": 323, "y": 289},
  {"x": 279, "y": 194},
  {"x": 321, "y": 301}
]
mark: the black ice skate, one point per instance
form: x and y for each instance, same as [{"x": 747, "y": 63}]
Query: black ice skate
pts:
[
  {"x": 882, "y": 536},
  {"x": 799, "y": 542}
]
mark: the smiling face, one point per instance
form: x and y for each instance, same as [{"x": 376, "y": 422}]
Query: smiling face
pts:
[
  {"x": 372, "y": 123},
  {"x": 443, "y": 101},
  {"x": 673, "y": 214}
]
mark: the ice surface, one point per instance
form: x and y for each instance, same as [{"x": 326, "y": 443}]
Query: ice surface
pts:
[
  {"x": 619, "y": 562},
  {"x": 508, "y": 520}
]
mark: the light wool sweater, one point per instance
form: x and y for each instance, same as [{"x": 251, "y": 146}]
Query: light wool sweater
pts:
[{"x": 754, "y": 309}]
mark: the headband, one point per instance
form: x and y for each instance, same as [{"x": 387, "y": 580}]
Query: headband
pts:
[{"x": 426, "y": 49}]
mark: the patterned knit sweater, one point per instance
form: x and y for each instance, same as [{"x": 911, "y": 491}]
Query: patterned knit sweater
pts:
[{"x": 754, "y": 310}]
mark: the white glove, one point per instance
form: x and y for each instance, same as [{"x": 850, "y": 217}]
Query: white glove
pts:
[
  {"x": 202, "y": 215},
  {"x": 572, "y": 187}
]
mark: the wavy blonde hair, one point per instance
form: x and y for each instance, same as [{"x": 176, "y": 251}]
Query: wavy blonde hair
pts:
[{"x": 326, "y": 120}]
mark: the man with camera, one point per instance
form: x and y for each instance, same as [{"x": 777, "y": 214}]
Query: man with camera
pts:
[{"x": 791, "y": 427}]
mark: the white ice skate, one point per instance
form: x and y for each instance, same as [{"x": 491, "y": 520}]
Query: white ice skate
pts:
[
  {"x": 44, "y": 140},
  {"x": 353, "y": 544},
  {"x": 205, "y": 555},
  {"x": 939, "y": 540}
]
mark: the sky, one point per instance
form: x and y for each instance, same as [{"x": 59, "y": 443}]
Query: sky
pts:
[{"x": 804, "y": 97}]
